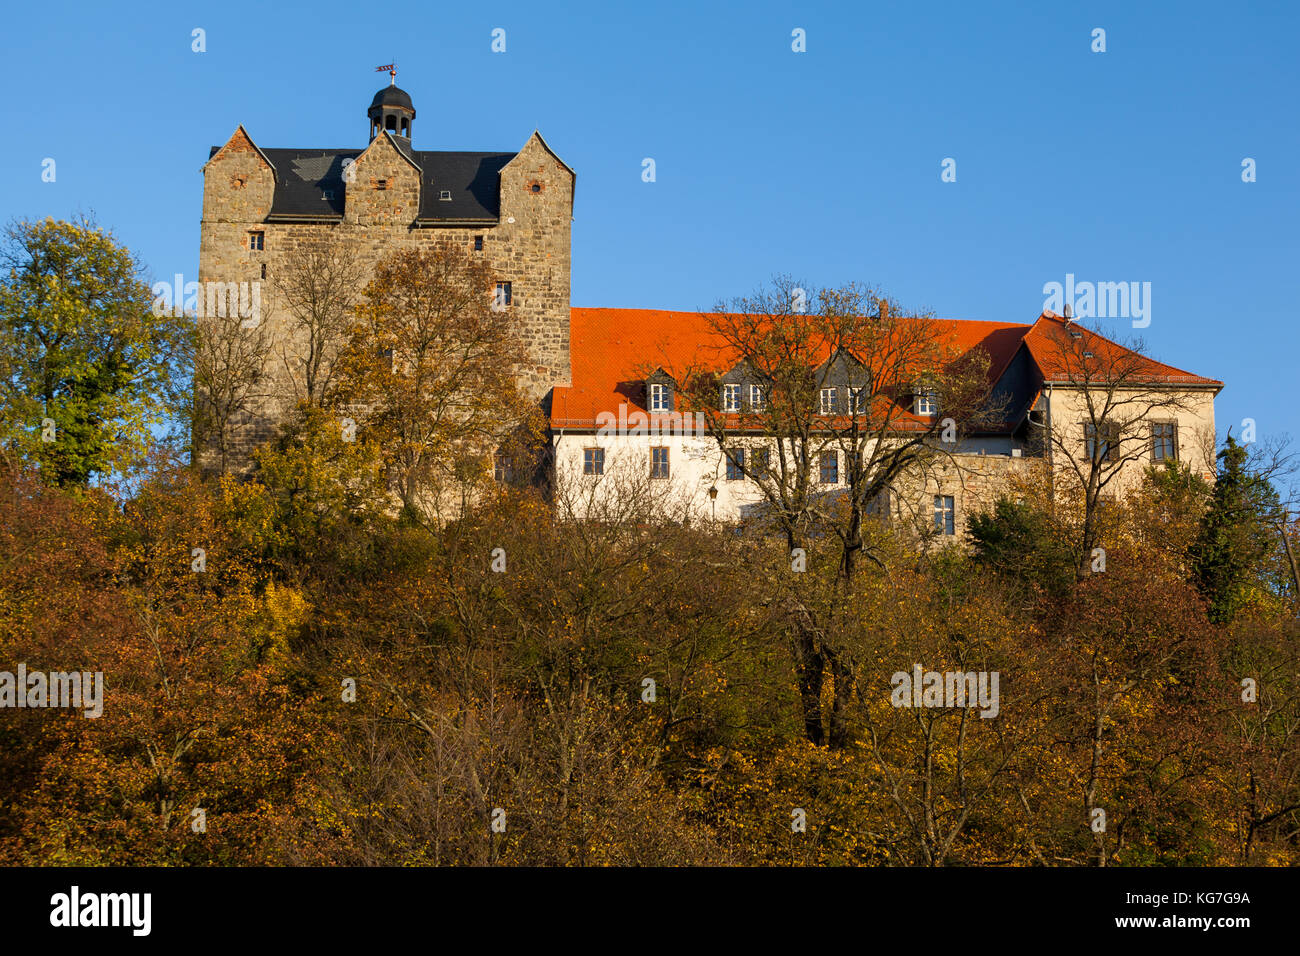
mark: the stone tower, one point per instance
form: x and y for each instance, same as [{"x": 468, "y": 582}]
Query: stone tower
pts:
[{"x": 512, "y": 209}]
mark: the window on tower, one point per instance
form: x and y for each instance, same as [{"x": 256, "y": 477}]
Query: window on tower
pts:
[
  {"x": 503, "y": 296},
  {"x": 256, "y": 241}
]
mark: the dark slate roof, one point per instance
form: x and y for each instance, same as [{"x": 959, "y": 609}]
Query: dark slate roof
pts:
[
  {"x": 309, "y": 182},
  {"x": 392, "y": 96}
]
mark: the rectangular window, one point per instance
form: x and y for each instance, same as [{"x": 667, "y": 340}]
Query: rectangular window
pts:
[
  {"x": 857, "y": 400},
  {"x": 593, "y": 461},
  {"x": 761, "y": 462},
  {"x": 735, "y": 464},
  {"x": 658, "y": 462},
  {"x": 927, "y": 403},
  {"x": 757, "y": 400},
  {"x": 381, "y": 183},
  {"x": 503, "y": 471},
  {"x": 478, "y": 243},
  {"x": 830, "y": 467},
  {"x": 829, "y": 401},
  {"x": 878, "y": 506},
  {"x": 503, "y": 295},
  {"x": 256, "y": 241},
  {"x": 1164, "y": 441},
  {"x": 944, "y": 515},
  {"x": 731, "y": 398},
  {"x": 1102, "y": 441},
  {"x": 661, "y": 399}
]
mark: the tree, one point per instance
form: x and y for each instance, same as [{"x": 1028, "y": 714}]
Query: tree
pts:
[
  {"x": 1235, "y": 533},
  {"x": 325, "y": 484},
  {"x": 317, "y": 285},
  {"x": 1113, "y": 392},
  {"x": 89, "y": 367},
  {"x": 229, "y": 375},
  {"x": 430, "y": 368},
  {"x": 794, "y": 346},
  {"x": 1019, "y": 541}
]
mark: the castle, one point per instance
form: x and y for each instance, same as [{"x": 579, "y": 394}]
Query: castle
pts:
[
  {"x": 514, "y": 210},
  {"x": 587, "y": 366}
]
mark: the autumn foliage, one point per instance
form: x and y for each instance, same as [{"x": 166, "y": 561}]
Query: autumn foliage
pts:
[{"x": 347, "y": 686}]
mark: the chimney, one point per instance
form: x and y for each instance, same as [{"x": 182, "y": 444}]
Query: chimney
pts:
[{"x": 884, "y": 308}]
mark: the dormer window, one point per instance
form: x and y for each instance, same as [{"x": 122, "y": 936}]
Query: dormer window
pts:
[
  {"x": 927, "y": 402},
  {"x": 444, "y": 195},
  {"x": 857, "y": 400},
  {"x": 829, "y": 400},
  {"x": 731, "y": 398},
  {"x": 661, "y": 399},
  {"x": 757, "y": 399}
]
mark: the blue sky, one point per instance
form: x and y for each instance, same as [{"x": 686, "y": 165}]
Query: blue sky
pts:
[{"x": 1115, "y": 166}]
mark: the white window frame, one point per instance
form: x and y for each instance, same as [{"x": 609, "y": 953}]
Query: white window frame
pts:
[
  {"x": 945, "y": 514},
  {"x": 927, "y": 402},
  {"x": 660, "y": 398},
  {"x": 757, "y": 400},
  {"x": 731, "y": 397},
  {"x": 831, "y": 392}
]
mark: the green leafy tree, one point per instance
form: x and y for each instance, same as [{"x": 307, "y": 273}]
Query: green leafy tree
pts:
[
  {"x": 87, "y": 370},
  {"x": 1019, "y": 542},
  {"x": 1234, "y": 535}
]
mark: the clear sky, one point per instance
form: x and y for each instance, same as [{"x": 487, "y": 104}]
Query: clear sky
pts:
[{"x": 1117, "y": 166}]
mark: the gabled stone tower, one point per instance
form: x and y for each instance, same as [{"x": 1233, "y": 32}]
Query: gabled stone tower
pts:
[{"x": 513, "y": 209}]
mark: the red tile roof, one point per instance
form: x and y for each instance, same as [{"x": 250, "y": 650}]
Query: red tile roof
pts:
[
  {"x": 1047, "y": 341},
  {"x": 612, "y": 349}
]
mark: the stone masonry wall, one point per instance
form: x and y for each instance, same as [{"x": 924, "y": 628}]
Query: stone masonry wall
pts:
[{"x": 529, "y": 247}]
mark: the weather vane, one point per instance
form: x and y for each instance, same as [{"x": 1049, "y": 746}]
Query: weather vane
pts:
[{"x": 392, "y": 72}]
